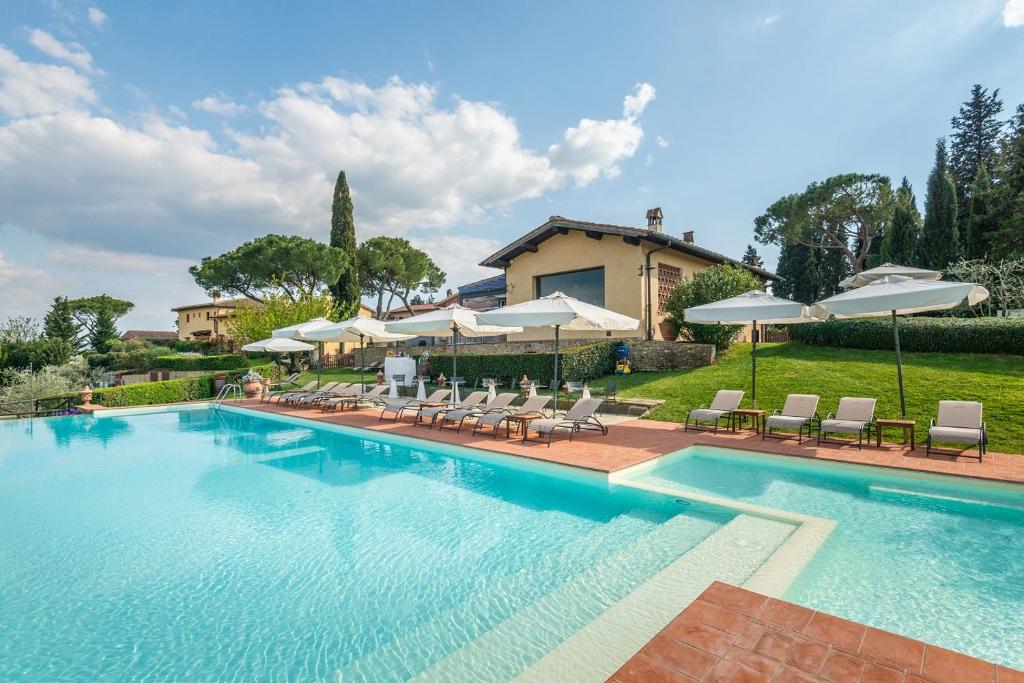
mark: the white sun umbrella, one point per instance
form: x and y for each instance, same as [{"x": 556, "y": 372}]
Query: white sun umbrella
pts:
[
  {"x": 751, "y": 308},
  {"x": 298, "y": 331},
  {"x": 356, "y": 329},
  {"x": 895, "y": 295},
  {"x": 885, "y": 270},
  {"x": 278, "y": 345},
  {"x": 454, "y": 320},
  {"x": 560, "y": 311}
]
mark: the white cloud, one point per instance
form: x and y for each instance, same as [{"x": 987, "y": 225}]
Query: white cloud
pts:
[
  {"x": 26, "y": 290},
  {"x": 594, "y": 148},
  {"x": 28, "y": 88},
  {"x": 662, "y": 142},
  {"x": 769, "y": 20},
  {"x": 220, "y": 104},
  {"x": 1013, "y": 13},
  {"x": 97, "y": 17},
  {"x": 72, "y": 53},
  {"x": 459, "y": 255}
]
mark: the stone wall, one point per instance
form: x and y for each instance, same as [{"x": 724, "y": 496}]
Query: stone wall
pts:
[{"x": 646, "y": 356}]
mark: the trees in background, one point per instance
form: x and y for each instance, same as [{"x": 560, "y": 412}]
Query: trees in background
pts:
[
  {"x": 296, "y": 267},
  {"x": 256, "y": 321},
  {"x": 1006, "y": 234},
  {"x": 708, "y": 285},
  {"x": 940, "y": 236},
  {"x": 1003, "y": 278},
  {"x": 346, "y": 290},
  {"x": 23, "y": 346},
  {"x": 104, "y": 329},
  {"x": 752, "y": 258},
  {"x": 390, "y": 268},
  {"x": 87, "y": 313},
  {"x": 900, "y": 242},
  {"x": 973, "y": 145},
  {"x": 59, "y": 324}
]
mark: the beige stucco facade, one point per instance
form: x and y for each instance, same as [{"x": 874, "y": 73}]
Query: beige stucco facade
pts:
[
  {"x": 625, "y": 289},
  {"x": 198, "y": 320}
]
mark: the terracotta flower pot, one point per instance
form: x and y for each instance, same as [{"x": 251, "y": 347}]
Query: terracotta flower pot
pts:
[{"x": 252, "y": 389}]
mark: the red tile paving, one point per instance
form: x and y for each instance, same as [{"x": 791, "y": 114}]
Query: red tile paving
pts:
[
  {"x": 635, "y": 441},
  {"x": 731, "y": 634}
]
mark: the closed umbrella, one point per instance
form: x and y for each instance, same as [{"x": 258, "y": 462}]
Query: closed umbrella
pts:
[
  {"x": 454, "y": 320},
  {"x": 278, "y": 345},
  {"x": 356, "y": 329},
  {"x": 751, "y": 308},
  {"x": 895, "y": 295},
  {"x": 299, "y": 330},
  {"x": 885, "y": 270},
  {"x": 560, "y": 311}
]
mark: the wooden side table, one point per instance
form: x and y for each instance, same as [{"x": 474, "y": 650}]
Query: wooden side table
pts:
[
  {"x": 522, "y": 423},
  {"x": 906, "y": 425},
  {"x": 738, "y": 415}
]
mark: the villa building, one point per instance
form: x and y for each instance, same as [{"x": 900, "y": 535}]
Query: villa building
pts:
[
  {"x": 629, "y": 270},
  {"x": 206, "y": 321}
]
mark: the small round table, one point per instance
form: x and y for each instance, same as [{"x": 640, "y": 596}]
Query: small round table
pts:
[{"x": 902, "y": 423}]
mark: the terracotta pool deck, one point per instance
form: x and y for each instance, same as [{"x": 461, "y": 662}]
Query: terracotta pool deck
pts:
[
  {"x": 631, "y": 442},
  {"x": 729, "y": 634}
]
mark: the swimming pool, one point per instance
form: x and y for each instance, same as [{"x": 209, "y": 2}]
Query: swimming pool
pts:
[
  {"x": 208, "y": 544},
  {"x": 939, "y": 559}
]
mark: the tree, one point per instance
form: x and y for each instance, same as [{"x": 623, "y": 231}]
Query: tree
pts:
[
  {"x": 295, "y": 266},
  {"x": 85, "y": 313},
  {"x": 59, "y": 324},
  {"x": 798, "y": 269},
  {"x": 708, "y": 285},
  {"x": 940, "y": 239},
  {"x": 982, "y": 216},
  {"x": 18, "y": 329},
  {"x": 254, "y": 321},
  {"x": 1007, "y": 235},
  {"x": 845, "y": 213},
  {"x": 104, "y": 329},
  {"x": 343, "y": 236},
  {"x": 900, "y": 243},
  {"x": 976, "y": 132},
  {"x": 1003, "y": 278},
  {"x": 392, "y": 267},
  {"x": 752, "y": 258}
]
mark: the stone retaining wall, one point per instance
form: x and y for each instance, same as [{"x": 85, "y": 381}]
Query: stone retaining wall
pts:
[{"x": 646, "y": 356}]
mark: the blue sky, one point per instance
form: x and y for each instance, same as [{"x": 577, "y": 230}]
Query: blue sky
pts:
[{"x": 136, "y": 138}]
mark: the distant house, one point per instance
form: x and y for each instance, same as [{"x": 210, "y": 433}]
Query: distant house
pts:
[
  {"x": 155, "y": 336},
  {"x": 629, "y": 270},
  {"x": 206, "y": 321}
]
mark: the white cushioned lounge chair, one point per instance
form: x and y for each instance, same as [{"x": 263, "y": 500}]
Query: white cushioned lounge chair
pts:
[
  {"x": 799, "y": 411},
  {"x": 499, "y": 403},
  {"x": 582, "y": 416},
  {"x": 725, "y": 401},
  {"x": 853, "y": 416},
  {"x": 397, "y": 406},
  {"x": 281, "y": 394},
  {"x": 959, "y": 422},
  {"x": 474, "y": 400},
  {"x": 534, "y": 405}
]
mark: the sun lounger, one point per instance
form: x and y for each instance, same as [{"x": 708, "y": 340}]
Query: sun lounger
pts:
[
  {"x": 325, "y": 389},
  {"x": 353, "y": 398},
  {"x": 534, "y": 405},
  {"x": 339, "y": 389},
  {"x": 397, "y": 406},
  {"x": 725, "y": 401},
  {"x": 499, "y": 403},
  {"x": 582, "y": 416},
  {"x": 853, "y": 416},
  {"x": 474, "y": 400},
  {"x": 799, "y": 411},
  {"x": 281, "y": 393},
  {"x": 959, "y": 422}
]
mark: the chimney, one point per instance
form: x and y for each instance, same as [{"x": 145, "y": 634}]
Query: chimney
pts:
[
  {"x": 688, "y": 236},
  {"x": 654, "y": 217}
]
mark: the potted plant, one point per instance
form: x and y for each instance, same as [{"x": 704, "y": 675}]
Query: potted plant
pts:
[{"x": 252, "y": 384}]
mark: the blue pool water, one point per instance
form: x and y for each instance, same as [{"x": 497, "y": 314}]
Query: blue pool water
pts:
[
  {"x": 938, "y": 559},
  {"x": 205, "y": 545}
]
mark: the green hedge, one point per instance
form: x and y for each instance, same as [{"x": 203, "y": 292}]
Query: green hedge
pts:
[
  {"x": 576, "y": 363},
  {"x": 948, "y": 335},
  {"x": 222, "y": 362},
  {"x": 169, "y": 391}
]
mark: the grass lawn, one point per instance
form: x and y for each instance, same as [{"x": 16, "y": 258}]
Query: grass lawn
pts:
[{"x": 998, "y": 381}]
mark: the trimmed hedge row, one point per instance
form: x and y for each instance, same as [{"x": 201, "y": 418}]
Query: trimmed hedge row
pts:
[
  {"x": 168, "y": 391},
  {"x": 576, "y": 363},
  {"x": 221, "y": 362},
  {"x": 944, "y": 335}
]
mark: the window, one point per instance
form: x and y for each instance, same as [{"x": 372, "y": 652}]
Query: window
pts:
[
  {"x": 668, "y": 279},
  {"x": 207, "y": 315},
  {"x": 585, "y": 285}
]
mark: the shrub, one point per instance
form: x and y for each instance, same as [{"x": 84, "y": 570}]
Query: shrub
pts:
[
  {"x": 222, "y": 362},
  {"x": 147, "y": 393},
  {"x": 20, "y": 387},
  {"x": 583, "y": 362},
  {"x": 947, "y": 335},
  {"x": 707, "y": 286},
  {"x": 35, "y": 353}
]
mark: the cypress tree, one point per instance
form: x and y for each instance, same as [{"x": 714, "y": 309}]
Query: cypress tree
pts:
[
  {"x": 900, "y": 243},
  {"x": 973, "y": 145},
  {"x": 752, "y": 258},
  {"x": 105, "y": 330},
  {"x": 940, "y": 239},
  {"x": 343, "y": 235},
  {"x": 798, "y": 269},
  {"x": 1007, "y": 235},
  {"x": 58, "y": 323},
  {"x": 981, "y": 216}
]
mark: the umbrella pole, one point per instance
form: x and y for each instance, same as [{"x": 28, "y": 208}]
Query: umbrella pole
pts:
[
  {"x": 899, "y": 363},
  {"x": 554, "y": 389},
  {"x": 455, "y": 362},
  {"x": 753, "y": 365},
  {"x": 362, "y": 364},
  {"x": 319, "y": 362}
]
